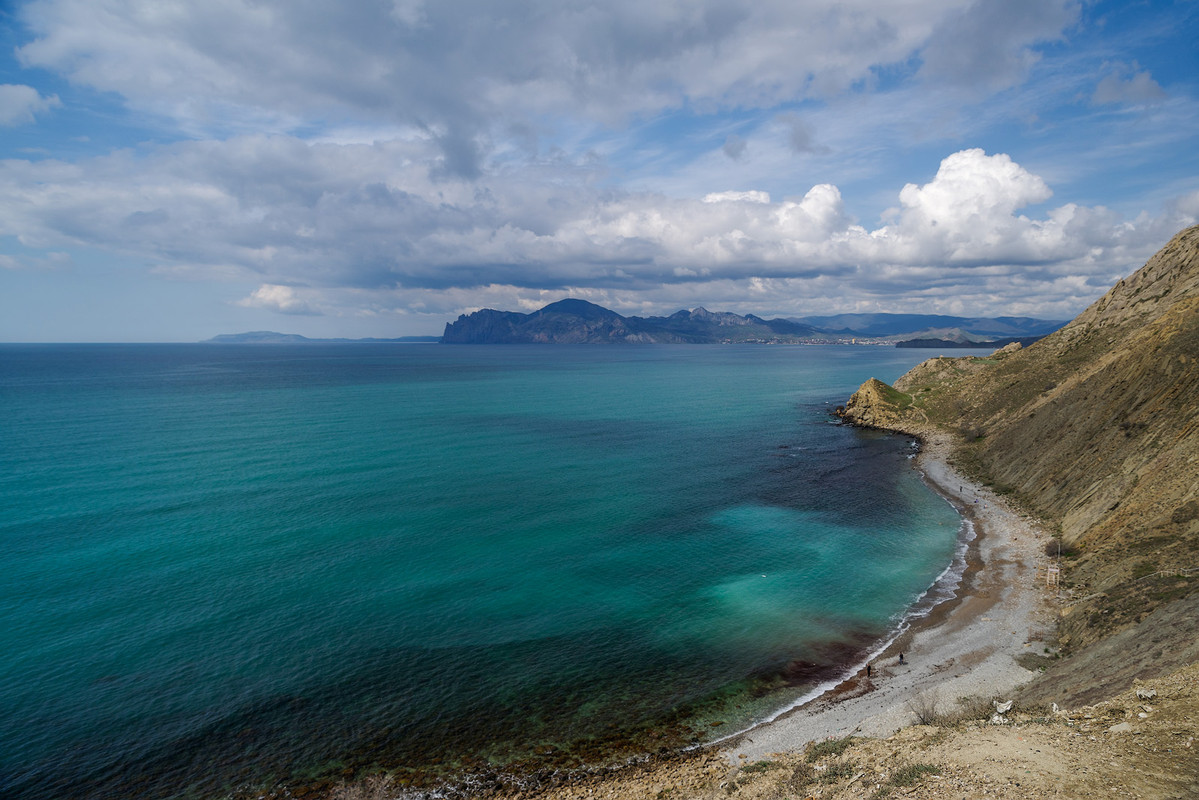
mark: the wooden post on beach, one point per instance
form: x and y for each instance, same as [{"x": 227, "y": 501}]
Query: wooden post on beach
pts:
[{"x": 1053, "y": 574}]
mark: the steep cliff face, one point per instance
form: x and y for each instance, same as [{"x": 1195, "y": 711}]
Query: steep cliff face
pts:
[
  {"x": 1096, "y": 429},
  {"x": 483, "y": 327}
]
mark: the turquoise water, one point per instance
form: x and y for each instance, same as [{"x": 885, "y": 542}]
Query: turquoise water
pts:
[{"x": 227, "y": 565}]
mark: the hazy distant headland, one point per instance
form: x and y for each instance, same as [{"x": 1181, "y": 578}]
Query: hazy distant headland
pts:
[{"x": 271, "y": 337}]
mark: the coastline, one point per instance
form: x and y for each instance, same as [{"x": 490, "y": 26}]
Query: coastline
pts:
[{"x": 965, "y": 647}]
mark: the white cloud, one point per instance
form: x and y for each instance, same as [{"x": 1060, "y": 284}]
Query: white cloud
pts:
[
  {"x": 283, "y": 299},
  {"x": 968, "y": 211},
  {"x": 737, "y": 197},
  {"x": 19, "y": 104},
  {"x": 1187, "y": 207},
  {"x": 332, "y": 228}
]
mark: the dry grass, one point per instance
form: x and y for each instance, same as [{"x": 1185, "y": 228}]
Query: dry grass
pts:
[
  {"x": 829, "y": 748},
  {"x": 926, "y": 708}
]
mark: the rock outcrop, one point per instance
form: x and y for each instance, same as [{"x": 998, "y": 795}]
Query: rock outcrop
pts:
[{"x": 877, "y": 405}]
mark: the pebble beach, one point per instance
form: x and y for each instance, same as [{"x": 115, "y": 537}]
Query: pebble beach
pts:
[{"x": 966, "y": 648}]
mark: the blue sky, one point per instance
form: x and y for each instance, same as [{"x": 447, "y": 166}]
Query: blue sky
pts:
[{"x": 175, "y": 170}]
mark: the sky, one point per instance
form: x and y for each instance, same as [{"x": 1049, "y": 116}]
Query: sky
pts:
[{"x": 175, "y": 169}]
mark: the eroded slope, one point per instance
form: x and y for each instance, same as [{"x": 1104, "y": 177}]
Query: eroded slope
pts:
[{"x": 1096, "y": 429}]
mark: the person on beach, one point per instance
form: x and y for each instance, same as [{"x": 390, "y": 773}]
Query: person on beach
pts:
[
  {"x": 901, "y": 658},
  {"x": 867, "y": 670}
]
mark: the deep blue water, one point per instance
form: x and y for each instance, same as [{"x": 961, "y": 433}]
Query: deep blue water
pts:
[{"x": 226, "y": 565}]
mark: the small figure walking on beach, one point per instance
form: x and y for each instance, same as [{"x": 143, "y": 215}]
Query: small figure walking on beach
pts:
[
  {"x": 901, "y": 658},
  {"x": 867, "y": 670}
]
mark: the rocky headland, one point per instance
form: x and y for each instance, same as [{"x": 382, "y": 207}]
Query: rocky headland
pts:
[{"x": 574, "y": 321}]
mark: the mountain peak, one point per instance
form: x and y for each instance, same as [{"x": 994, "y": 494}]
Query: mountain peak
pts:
[
  {"x": 1171, "y": 275},
  {"x": 580, "y": 308}
]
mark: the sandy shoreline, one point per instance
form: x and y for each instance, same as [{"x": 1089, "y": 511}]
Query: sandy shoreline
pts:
[{"x": 967, "y": 647}]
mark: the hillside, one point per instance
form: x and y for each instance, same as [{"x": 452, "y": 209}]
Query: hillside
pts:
[{"x": 1096, "y": 430}]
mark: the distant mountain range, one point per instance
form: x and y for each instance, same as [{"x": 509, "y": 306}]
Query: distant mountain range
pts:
[
  {"x": 580, "y": 322},
  {"x": 575, "y": 321},
  {"x": 893, "y": 324},
  {"x": 270, "y": 337}
]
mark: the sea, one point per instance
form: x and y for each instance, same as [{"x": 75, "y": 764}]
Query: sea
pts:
[{"x": 231, "y": 568}]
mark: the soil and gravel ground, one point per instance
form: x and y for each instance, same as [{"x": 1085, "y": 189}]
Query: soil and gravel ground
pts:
[{"x": 1125, "y": 747}]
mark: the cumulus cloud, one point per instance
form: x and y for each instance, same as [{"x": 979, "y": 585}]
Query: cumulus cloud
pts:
[
  {"x": 282, "y": 299},
  {"x": 968, "y": 211},
  {"x": 366, "y": 224},
  {"x": 19, "y": 104},
  {"x": 409, "y": 156}
]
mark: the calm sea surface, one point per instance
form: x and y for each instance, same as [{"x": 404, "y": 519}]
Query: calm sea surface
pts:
[{"x": 228, "y": 565}]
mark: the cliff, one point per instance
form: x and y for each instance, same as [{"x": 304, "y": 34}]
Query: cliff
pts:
[{"x": 1095, "y": 429}]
